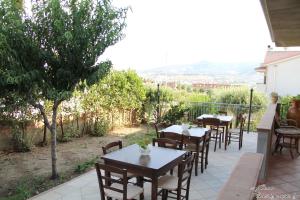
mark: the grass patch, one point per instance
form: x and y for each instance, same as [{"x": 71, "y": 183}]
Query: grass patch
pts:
[
  {"x": 82, "y": 167},
  {"x": 138, "y": 138},
  {"x": 30, "y": 186}
]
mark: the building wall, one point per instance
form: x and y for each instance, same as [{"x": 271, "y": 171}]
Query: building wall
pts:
[{"x": 284, "y": 77}]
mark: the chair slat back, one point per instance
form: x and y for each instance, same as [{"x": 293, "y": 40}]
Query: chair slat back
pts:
[
  {"x": 185, "y": 170},
  {"x": 173, "y": 136},
  {"x": 222, "y": 112},
  {"x": 211, "y": 121},
  {"x": 166, "y": 143},
  {"x": 112, "y": 146},
  {"x": 105, "y": 180},
  {"x": 158, "y": 127}
]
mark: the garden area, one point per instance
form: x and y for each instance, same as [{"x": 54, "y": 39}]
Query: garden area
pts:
[{"x": 60, "y": 102}]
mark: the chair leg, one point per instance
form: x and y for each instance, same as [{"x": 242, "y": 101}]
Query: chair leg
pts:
[
  {"x": 196, "y": 164},
  {"x": 202, "y": 163},
  {"x": 206, "y": 156},
  {"x": 216, "y": 140},
  {"x": 220, "y": 142}
]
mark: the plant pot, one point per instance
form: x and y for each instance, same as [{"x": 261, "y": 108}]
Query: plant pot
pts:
[
  {"x": 294, "y": 111},
  {"x": 145, "y": 152}
]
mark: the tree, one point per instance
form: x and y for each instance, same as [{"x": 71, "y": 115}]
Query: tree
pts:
[
  {"x": 118, "y": 90},
  {"x": 46, "y": 52}
]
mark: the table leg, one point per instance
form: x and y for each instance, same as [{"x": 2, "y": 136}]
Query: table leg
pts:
[
  {"x": 277, "y": 142},
  {"x": 291, "y": 148},
  {"x": 226, "y": 137},
  {"x": 140, "y": 183},
  {"x": 154, "y": 188}
]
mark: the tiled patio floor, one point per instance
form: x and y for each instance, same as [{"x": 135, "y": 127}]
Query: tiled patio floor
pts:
[
  {"x": 204, "y": 186},
  {"x": 284, "y": 173}
]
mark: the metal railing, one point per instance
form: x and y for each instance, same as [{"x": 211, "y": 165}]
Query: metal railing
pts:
[{"x": 198, "y": 108}]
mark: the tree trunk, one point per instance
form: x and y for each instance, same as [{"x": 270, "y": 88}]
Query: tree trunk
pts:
[
  {"x": 52, "y": 128},
  {"x": 62, "y": 128},
  {"x": 44, "y": 142},
  {"x": 53, "y": 141},
  {"x": 53, "y": 152},
  {"x": 77, "y": 122}
]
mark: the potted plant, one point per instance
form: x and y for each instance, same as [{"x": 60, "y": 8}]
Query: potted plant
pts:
[
  {"x": 274, "y": 97},
  {"x": 144, "y": 147},
  {"x": 294, "y": 110}
]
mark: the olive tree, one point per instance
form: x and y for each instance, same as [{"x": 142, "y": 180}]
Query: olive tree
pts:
[{"x": 47, "y": 50}]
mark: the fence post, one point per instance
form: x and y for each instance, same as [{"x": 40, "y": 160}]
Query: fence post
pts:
[
  {"x": 250, "y": 109},
  {"x": 158, "y": 102}
]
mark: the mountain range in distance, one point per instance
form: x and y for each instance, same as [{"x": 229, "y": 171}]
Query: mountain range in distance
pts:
[{"x": 205, "y": 68}]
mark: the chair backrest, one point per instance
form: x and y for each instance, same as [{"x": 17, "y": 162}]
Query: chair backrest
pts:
[
  {"x": 222, "y": 112},
  {"x": 106, "y": 181},
  {"x": 173, "y": 136},
  {"x": 185, "y": 171},
  {"x": 242, "y": 123},
  {"x": 211, "y": 121},
  {"x": 157, "y": 127},
  {"x": 166, "y": 143},
  {"x": 112, "y": 146}
]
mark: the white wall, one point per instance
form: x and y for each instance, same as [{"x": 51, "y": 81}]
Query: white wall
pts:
[{"x": 284, "y": 77}]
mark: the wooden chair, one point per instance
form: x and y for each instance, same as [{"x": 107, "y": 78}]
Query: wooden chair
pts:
[
  {"x": 216, "y": 133},
  {"x": 201, "y": 152},
  {"x": 223, "y": 113},
  {"x": 236, "y": 135},
  {"x": 287, "y": 142},
  {"x": 178, "y": 185},
  {"x": 112, "y": 147},
  {"x": 158, "y": 127},
  {"x": 166, "y": 143},
  {"x": 113, "y": 188},
  {"x": 173, "y": 136}
]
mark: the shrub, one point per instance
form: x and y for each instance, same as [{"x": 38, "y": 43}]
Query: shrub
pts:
[
  {"x": 20, "y": 141},
  {"x": 175, "y": 114},
  {"x": 80, "y": 168},
  {"x": 101, "y": 127}
]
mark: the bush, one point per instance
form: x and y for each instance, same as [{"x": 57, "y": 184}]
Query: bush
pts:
[
  {"x": 240, "y": 95},
  {"x": 175, "y": 114},
  {"x": 101, "y": 127},
  {"x": 20, "y": 141},
  {"x": 80, "y": 168}
]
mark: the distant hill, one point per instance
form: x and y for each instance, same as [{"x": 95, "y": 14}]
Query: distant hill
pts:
[{"x": 205, "y": 68}]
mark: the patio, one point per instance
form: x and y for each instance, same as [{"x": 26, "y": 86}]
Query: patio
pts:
[{"x": 204, "y": 186}]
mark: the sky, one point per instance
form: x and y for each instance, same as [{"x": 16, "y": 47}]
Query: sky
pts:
[{"x": 176, "y": 32}]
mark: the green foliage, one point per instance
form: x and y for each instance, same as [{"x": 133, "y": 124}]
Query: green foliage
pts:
[
  {"x": 30, "y": 186},
  {"x": 20, "y": 141},
  {"x": 46, "y": 52},
  {"x": 80, "y": 168},
  {"x": 140, "y": 138},
  {"x": 175, "y": 114},
  {"x": 239, "y": 95},
  {"x": 101, "y": 127},
  {"x": 56, "y": 46}
]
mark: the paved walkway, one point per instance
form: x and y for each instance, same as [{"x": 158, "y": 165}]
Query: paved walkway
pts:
[{"x": 203, "y": 187}]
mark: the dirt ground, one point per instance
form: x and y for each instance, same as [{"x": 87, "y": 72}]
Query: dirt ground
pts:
[{"x": 14, "y": 166}]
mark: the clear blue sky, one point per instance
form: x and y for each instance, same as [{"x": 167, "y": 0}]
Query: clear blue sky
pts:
[{"x": 167, "y": 32}]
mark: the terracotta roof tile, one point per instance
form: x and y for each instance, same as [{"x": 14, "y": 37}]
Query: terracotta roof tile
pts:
[{"x": 272, "y": 56}]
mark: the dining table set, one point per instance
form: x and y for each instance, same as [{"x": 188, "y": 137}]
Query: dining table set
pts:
[{"x": 159, "y": 160}]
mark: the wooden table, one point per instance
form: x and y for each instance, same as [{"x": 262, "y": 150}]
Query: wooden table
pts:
[
  {"x": 225, "y": 121},
  {"x": 194, "y": 136},
  {"x": 292, "y": 133},
  {"x": 159, "y": 162}
]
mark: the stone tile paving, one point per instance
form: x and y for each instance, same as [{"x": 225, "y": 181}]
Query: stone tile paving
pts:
[
  {"x": 284, "y": 173},
  {"x": 203, "y": 187}
]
